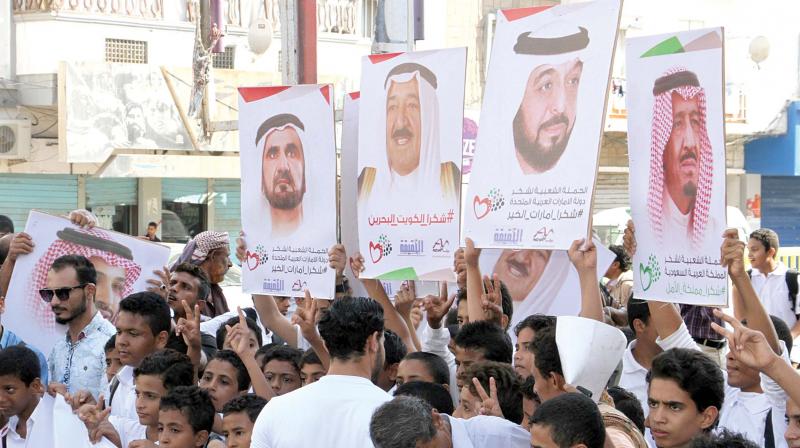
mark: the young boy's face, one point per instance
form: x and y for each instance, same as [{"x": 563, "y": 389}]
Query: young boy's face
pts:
[
  {"x": 16, "y": 398},
  {"x": 113, "y": 364},
  {"x": 220, "y": 380},
  {"x": 175, "y": 431},
  {"x": 311, "y": 373},
  {"x": 282, "y": 376},
  {"x": 149, "y": 390},
  {"x": 237, "y": 429},
  {"x": 135, "y": 340}
]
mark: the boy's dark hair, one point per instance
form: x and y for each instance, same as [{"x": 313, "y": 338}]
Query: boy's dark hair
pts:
[
  {"x": 310, "y": 357},
  {"x": 784, "y": 333},
  {"x": 84, "y": 269},
  {"x": 637, "y": 309},
  {"x": 768, "y": 238},
  {"x": 535, "y": 322},
  {"x": 694, "y": 372},
  {"x": 620, "y": 257},
  {"x": 151, "y": 307},
  {"x": 283, "y": 353},
  {"x": 488, "y": 338},
  {"x": 509, "y": 388},
  {"x": 152, "y": 224},
  {"x": 194, "y": 403},
  {"x": 436, "y": 366},
  {"x": 222, "y": 331},
  {"x": 628, "y": 404},
  {"x": 461, "y": 295},
  {"x": 204, "y": 286},
  {"x": 434, "y": 394},
  {"x": 394, "y": 347},
  {"x": 111, "y": 343},
  {"x": 265, "y": 348},
  {"x": 229, "y": 356},
  {"x": 347, "y": 325},
  {"x": 572, "y": 418},
  {"x": 506, "y": 301},
  {"x": 174, "y": 368},
  {"x": 6, "y": 224},
  {"x": 21, "y": 362},
  {"x": 545, "y": 352},
  {"x": 452, "y": 317},
  {"x": 528, "y": 392},
  {"x": 176, "y": 342},
  {"x": 251, "y": 404},
  {"x": 723, "y": 439}
]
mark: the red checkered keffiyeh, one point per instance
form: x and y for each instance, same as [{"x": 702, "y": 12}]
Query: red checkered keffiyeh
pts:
[
  {"x": 40, "y": 309},
  {"x": 660, "y": 133}
]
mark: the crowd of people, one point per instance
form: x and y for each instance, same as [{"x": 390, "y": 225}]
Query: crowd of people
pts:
[{"x": 174, "y": 367}]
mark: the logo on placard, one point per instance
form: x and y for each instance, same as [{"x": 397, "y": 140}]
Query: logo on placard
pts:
[
  {"x": 273, "y": 285},
  {"x": 412, "y": 247},
  {"x": 543, "y": 234},
  {"x": 256, "y": 258},
  {"x": 483, "y": 206},
  {"x": 299, "y": 285},
  {"x": 380, "y": 249},
  {"x": 510, "y": 236},
  {"x": 649, "y": 274},
  {"x": 441, "y": 246}
]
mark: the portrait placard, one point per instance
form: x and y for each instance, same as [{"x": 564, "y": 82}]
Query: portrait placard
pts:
[
  {"x": 123, "y": 264},
  {"x": 288, "y": 161},
  {"x": 409, "y": 163},
  {"x": 533, "y": 175},
  {"x": 676, "y": 146}
]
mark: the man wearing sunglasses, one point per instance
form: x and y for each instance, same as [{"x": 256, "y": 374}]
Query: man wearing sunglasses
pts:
[{"x": 78, "y": 360}]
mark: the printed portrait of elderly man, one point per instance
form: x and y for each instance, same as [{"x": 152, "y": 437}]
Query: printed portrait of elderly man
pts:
[
  {"x": 283, "y": 171},
  {"x": 413, "y": 163},
  {"x": 116, "y": 270},
  {"x": 681, "y": 159},
  {"x": 546, "y": 115}
]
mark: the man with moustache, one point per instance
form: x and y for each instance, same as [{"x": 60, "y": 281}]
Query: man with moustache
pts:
[
  {"x": 546, "y": 115},
  {"x": 413, "y": 164},
  {"x": 681, "y": 159},
  {"x": 283, "y": 173}
]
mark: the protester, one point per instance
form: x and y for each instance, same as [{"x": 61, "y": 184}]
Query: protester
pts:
[
  {"x": 617, "y": 286},
  {"x": 281, "y": 366},
  {"x": 224, "y": 378},
  {"x": 526, "y": 330},
  {"x": 480, "y": 341},
  {"x": 185, "y": 418},
  {"x": 210, "y": 251},
  {"x": 395, "y": 350},
  {"x": 569, "y": 420},
  {"x": 238, "y": 417},
  {"x": 9, "y": 339},
  {"x": 113, "y": 364},
  {"x": 503, "y": 385},
  {"x": 152, "y": 228},
  {"x": 434, "y": 394},
  {"x": 423, "y": 366},
  {"x": 311, "y": 368},
  {"x": 6, "y": 225}
]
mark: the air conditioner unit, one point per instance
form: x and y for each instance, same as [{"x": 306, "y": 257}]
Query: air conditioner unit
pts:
[{"x": 15, "y": 139}]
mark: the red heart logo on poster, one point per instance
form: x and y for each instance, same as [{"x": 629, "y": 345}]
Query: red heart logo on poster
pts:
[
  {"x": 477, "y": 202},
  {"x": 375, "y": 251},
  {"x": 252, "y": 260}
]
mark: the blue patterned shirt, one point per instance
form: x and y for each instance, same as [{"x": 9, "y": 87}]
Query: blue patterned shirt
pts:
[{"x": 81, "y": 364}]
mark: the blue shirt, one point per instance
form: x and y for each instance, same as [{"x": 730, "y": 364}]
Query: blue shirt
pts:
[
  {"x": 9, "y": 339},
  {"x": 81, "y": 365}
]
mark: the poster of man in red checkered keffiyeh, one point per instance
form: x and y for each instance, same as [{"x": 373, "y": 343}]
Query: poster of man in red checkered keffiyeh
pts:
[
  {"x": 676, "y": 145},
  {"x": 123, "y": 264}
]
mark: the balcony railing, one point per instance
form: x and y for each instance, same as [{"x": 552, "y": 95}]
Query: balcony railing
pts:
[{"x": 333, "y": 16}]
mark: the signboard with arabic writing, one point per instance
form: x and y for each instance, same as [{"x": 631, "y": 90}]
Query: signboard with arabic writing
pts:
[
  {"x": 676, "y": 136},
  {"x": 288, "y": 157},
  {"x": 541, "y": 122},
  {"x": 409, "y": 163}
]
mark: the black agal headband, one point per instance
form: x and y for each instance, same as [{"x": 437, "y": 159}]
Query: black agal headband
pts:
[
  {"x": 548, "y": 46},
  {"x": 677, "y": 79},
  {"x": 277, "y": 121}
]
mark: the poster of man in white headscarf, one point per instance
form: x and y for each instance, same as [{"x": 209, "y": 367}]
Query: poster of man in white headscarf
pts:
[
  {"x": 123, "y": 264},
  {"x": 539, "y": 280},
  {"x": 676, "y": 145},
  {"x": 288, "y": 161},
  {"x": 409, "y": 163},
  {"x": 541, "y": 121}
]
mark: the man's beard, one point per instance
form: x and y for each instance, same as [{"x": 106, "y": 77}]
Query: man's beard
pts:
[
  {"x": 377, "y": 367},
  {"x": 535, "y": 155},
  {"x": 284, "y": 200},
  {"x": 80, "y": 310}
]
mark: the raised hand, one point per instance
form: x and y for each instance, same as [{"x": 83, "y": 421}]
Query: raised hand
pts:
[
  {"x": 83, "y": 218},
  {"x": 732, "y": 253},
  {"x": 189, "y": 326},
  {"x": 21, "y": 244},
  {"x": 160, "y": 285},
  {"x": 92, "y": 415},
  {"x": 490, "y": 405},
  {"x": 239, "y": 338},
  {"x": 305, "y": 316},
  {"x": 437, "y": 307},
  {"x": 629, "y": 239},
  {"x": 471, "y": 253},
  {"x": 748, "y": 346},
  {"x": 357, "y": 264},
  {"x": 57, "y": 388},
  {"x": 583, "y": 255},
  {"x": 460, "y": 266},
  {"x": 241, "y": 248},
  {"x": 79, "y": 398},
  {"x": 405, "y": 298},
  {"x": 491, "y": 300},
  {"x": 337, "y": 257}
]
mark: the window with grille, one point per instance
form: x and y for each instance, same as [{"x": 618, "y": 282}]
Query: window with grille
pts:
[
  {"x": 225, "y": 59},
  {"x": 125, "y": 50}
]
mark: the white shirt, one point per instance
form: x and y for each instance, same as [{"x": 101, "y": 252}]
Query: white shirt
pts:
[
  {"x": 634, "y": 380},
  {"x": 774, "y": 293},
  {"x": 484, "y": 431},
  {"x": 124, "y": 403},
  {"x": 744, "y": 412},
  {"x": 435, "y": 341},
  {"x": 332, "y": 412},
  {"x": 128, "y": 430}
]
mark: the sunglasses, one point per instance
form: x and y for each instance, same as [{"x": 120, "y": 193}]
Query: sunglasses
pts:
[{"x": 61, "y": 293}]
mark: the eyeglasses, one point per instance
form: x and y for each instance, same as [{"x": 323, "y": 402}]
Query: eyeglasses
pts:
[{"x": 61, "y": 293}]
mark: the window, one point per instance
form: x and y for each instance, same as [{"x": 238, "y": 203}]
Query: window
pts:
[
  {"x": 127, "y": 51},
  {"x": 225, "y": 59},
  {"x": 368, "y": 11}
]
